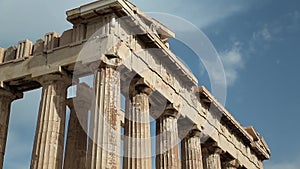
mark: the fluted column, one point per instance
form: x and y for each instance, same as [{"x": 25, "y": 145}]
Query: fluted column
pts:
[
  {"x": 105, "y": 128},
  {"x": 77, "y": 138},
  {"x": 6, "y": 99},
  {"x": 230, "y": 164},
  {"x": 191, "y": 151},
  {"x": 137, "y": 138},
  {"x": 167, "y": 140},
  {"x": 211, "y": 157},
  {"x": 49, "y": 138}
]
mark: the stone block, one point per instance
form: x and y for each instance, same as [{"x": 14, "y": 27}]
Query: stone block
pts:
[
  {"x": 51, "y": 41},
  {"x": 24, "y": 49},
  {"x": 79, "y": 33},
  {"x": 38, "y": 47},
  {"x": 10, "y": 54},
  {"x": 66, "y": 38},
  {"x": 2, "y": 53}
]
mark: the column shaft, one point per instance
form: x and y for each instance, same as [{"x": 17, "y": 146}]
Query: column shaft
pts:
[
  {"x": 105, "y": 128},
  {"x": 5, "y": 104},
  {"x": 211, "y": 158},
  {"x": 167, "y": 141},
  {"x": 191, "y": 152},
  {"x": 137, "y": 143},
  {"x": 76, "y": 138},
  {"x": 49, "y": 138}
]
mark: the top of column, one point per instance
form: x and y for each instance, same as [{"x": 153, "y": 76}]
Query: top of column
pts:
[
  {"x": 64, "y": 79},
  {"x": 6, "y": 91},
  {"x": 139, "y": 85}
]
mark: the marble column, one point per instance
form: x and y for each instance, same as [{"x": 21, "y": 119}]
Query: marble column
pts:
[
  {"x": 49, "y": 138},
  {"x": 6, "y": 99},
  {"x": 105, "y": 127},
  {"x": 230, "y": 164},
  {"x": 137, "y": 136},
  {"x": 211, "y": 157},
  {"x": 76, "y": 146},
  {"x": 191, "y": 151},
  {"x": 167, "y": 148}
]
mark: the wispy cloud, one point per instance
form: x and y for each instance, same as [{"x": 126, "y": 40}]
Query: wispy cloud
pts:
[
  {"x": 201, "y": 12},
  {"x": 295, "y": 21},
  {"x": 276, "y": 30},
  {"x": 263, "y": 34},
  {"x": 233, "y": 62}
]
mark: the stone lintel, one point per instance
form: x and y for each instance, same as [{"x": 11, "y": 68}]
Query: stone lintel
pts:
[
  {"x": 162, "y": 29},
  {"x": 246, "y": 137},
  {"x": 259, "y": 144}
]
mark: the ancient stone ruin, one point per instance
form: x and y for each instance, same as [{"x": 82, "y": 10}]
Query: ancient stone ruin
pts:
[{"x": 193, "y": 130}]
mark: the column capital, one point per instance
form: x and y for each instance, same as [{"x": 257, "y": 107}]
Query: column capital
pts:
[
  {"x": 84, "y": 105},
  {"x": 12, "y": 95},
  {"x": 232, "y": 163},
  {"x": 50, "y": 78},
  {"x": 211, "y": 149},
  {"x": 140, "y": 85},
  {"x": 111, "y": 60},
  {"x": 171, "y": 110},
  {"x": 107, "y": 61},
  {"x": 194, "y": 133}
]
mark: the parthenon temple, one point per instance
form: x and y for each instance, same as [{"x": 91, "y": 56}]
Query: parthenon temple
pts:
[{"x": 143, "y": 108}]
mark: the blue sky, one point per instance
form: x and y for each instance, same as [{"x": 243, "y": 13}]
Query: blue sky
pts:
[{"x": 258, "y": 42}]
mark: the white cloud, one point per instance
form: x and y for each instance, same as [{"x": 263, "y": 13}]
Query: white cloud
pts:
[
  {"x": 276, "y": 30},
  {"x": 284, "y": 165},
  {"x": 233, "y": 63},
  {"x": 263, "y": 34}
]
